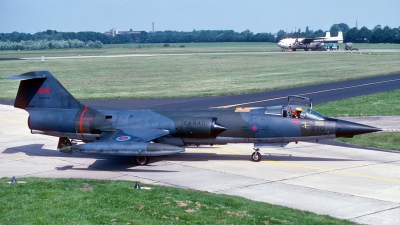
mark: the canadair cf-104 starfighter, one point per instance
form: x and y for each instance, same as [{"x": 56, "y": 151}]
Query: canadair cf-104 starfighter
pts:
[{"x": 145, "y": 133}]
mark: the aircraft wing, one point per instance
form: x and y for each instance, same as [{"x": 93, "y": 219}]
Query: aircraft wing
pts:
[
  {"x": 129, "y": 142},
  {"x": 307, "y": 41}
]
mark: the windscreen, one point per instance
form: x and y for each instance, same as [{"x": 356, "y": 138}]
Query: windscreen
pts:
[{"x": 314, "y": 115}]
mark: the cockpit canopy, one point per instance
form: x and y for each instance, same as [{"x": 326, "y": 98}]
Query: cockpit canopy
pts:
[{"x": 295, "y": 102}]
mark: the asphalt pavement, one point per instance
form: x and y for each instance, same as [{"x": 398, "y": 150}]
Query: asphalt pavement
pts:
[{"x": 320, "y": 93}]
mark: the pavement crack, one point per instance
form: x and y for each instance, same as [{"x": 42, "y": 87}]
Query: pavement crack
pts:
[{"x": 380, "y": 211}]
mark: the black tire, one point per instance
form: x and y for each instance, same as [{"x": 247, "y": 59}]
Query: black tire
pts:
[
  {"x": 141, "y": 160},
  {"x": 256, "y": 157}
]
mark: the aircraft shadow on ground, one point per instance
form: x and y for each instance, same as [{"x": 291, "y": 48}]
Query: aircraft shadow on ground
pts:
[
  {"x": 120, "y": 163},
  {"x": 192, "y": 157},
  {"x": 101, "y": 163}
]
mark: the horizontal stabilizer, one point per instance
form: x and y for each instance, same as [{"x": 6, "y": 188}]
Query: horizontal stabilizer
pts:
[{"x": 29, "y": 75}]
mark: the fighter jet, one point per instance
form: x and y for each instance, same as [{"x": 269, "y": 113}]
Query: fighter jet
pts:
[
  {"x": 145, "y": 133},
  {"x": 309, "y": 43}
]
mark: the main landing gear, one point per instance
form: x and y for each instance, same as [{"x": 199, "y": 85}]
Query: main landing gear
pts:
[
  {"x": 141, "y": 160},
  {"x": 256, "y": 156}
]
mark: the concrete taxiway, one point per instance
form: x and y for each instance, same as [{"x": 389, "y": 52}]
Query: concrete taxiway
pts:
[{"x": 355, "y": 183}]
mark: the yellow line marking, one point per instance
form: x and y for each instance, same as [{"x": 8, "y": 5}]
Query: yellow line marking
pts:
[
  {"x": 3, "y": 139},
  {"x": 246, "y": 103},
  {"x": 336, "y": 171},
  {"x": 15, "y": 121},
  {"x": 198, "y": 150},
  {"x": 212, "y": 150},
  {"x": 229, "y": 150},
  {"x": 315, "y": 92},
  {"x": 331, "y": 170}
]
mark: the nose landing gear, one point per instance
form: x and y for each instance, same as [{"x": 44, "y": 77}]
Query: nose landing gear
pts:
[{"x": 256, "y": 156}]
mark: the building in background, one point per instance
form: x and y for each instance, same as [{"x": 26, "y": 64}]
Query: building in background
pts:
[{"x": 114, "y": 32}]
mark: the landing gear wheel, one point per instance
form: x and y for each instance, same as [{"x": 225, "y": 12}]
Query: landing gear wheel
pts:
[
  {"x": 141, "y": 160},
  {"x": 256, "y": 157}
]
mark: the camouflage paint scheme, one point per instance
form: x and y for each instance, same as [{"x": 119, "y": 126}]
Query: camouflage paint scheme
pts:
[{"x": 143, "y": 133}]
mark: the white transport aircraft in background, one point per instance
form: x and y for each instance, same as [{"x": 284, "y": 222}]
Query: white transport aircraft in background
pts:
[{"x": 309, "y": 43}]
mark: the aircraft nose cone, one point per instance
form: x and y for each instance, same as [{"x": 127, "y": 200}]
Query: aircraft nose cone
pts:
[{"x": 349, "y": 129}]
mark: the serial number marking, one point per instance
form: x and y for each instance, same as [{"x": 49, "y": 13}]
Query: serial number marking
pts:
[
  {"x": 44, "y": 98},
  {"x": 318, "y": 128}
]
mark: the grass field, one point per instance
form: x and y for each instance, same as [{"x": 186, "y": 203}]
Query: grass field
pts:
[
  {"x": 380, "y": 104},
  {"x": 84, "y": 201},
  {"x": 362, "y": 46},
  {"x": 124, "y": 49},
  {"x": 193, "y": 75}
]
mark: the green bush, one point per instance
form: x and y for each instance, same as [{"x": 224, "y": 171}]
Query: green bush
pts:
[{"x": 48, "y": 44}]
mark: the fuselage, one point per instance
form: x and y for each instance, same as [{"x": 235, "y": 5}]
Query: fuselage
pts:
[
  {"x": 187, "y": 127},
  {"x": 296, "y": 43}
]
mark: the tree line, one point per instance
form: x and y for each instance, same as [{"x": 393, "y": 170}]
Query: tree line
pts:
[
  {"x": 144, "y": 37},
  {"x": 362, "y": 35},
  {"x": 43, "y": 44}
]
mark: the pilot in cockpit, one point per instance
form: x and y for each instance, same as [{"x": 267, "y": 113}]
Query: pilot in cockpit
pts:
[{"x": 297, "y": 113}]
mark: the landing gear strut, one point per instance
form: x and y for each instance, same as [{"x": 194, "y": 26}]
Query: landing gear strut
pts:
[
  {"x": 256, "y": 156},
  {"x": 141, "y": 160}
]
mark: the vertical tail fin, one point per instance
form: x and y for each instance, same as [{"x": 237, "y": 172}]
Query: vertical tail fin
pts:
[
  {"x": 327, "y": 34},
  {"x": 340, "y": 37},
  {"x": 40, "y": 89}
]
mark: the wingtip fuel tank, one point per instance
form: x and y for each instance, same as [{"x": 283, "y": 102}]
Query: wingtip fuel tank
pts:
[{"x": 128, "y": 148}]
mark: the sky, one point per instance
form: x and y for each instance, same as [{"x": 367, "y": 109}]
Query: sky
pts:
[{"x": 259, "y": 16}]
